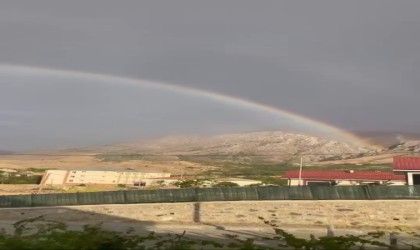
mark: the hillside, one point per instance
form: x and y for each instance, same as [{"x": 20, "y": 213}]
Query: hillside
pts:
[
  {"x": 387, "y": 138},
  {"x": 251, "y": 155},
  {"x": 266, "y": 146}
]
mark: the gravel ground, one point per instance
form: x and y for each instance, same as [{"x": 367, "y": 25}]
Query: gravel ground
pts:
[{"x": 222, "y": 233}]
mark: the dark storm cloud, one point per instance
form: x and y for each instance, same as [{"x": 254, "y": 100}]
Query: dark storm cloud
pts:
[{"x": 353, "y": 64}]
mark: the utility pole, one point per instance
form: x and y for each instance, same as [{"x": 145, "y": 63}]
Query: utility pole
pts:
[{"x": 300, "y": 170}]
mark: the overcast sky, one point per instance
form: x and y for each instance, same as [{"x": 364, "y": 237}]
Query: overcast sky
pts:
[{"x": 352, "y": 64}]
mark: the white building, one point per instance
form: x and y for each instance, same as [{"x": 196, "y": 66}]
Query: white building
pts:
[{"x": 107, "y": 177}]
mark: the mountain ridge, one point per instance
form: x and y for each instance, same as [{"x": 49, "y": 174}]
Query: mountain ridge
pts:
[{"x": 276, "y": 145}]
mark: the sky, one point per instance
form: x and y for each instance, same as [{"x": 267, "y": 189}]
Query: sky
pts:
[{"x": 350, "y": 64}]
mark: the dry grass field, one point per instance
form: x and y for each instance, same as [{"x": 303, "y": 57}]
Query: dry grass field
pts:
[{"x": 92, "y": 162}]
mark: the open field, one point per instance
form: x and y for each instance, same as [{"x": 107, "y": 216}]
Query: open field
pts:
[{"x": 93, "y": 162}]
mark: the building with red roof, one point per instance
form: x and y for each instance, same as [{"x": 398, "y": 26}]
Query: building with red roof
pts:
[
  {"x": 410, "y": 166},
  {"x": 348, "y": 177}
]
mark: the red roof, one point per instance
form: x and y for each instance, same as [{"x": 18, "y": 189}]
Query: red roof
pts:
[
  {"x": 406, "y": 163},
  {"x": 343, "y": 175}
]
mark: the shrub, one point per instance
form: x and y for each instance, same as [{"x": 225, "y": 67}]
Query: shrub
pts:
[{"x": 226, "y": 184}]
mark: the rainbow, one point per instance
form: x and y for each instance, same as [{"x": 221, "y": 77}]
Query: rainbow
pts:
[{"x": 230, "y": 100}]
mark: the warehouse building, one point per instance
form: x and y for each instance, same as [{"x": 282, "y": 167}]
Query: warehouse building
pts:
[{"x": 105, "y": 177}]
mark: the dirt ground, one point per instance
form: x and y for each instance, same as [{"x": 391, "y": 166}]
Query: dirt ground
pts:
[
  {"x": 16, "y": 189},
  {"x": 224, "y": 233},
  {"x": 92, "y": 162}
]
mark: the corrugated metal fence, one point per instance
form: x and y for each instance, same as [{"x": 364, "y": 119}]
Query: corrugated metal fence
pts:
[{"x": 214, "y": 194}]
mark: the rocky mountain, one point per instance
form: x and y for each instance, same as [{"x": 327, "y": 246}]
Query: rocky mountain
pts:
[
  {"x": 394, "y": 141},
  {"x": 270, "y": 145},
  {"x": 407, "y": 146},
  {"x": 387, "y": 138}
]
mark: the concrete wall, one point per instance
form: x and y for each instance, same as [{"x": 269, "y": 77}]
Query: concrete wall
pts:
[
  {"x": 370, "y": 215},
  {"x": 54, "y": 177}
]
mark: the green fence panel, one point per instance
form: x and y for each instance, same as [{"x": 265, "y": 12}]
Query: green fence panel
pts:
[
  {"x": 244, "y": 193},
  {"x": 271, "y": 193},
  {"x": 405, "y": 192},
  {"x": 87, "y": 199},
  {"x": 67, "y": 199},
  {"x": 163, "y": 195},
  {"x": 416, "y": 189},
  {"x": 394, "y": 192},
  {"x": 132, "y": 196},
  {"x": 5, "y": 201},
  {"x": 230, "y": 194},
  {"x": 324, "y": 193},
  {"x": 20, "y": 200},
  {"x": 299, "y": 193},
  {"x": 115, "y": 197},
  {"x": 40, "y": 200},
  {"x": 351, "y": 192},
  {"x": 184, "y": 195},
  {"x": 211, "y": 194},
  {"x": 149, "y": 196},
  {"x": 377, "y": 192},
  {"x": 214, "y": 194}
]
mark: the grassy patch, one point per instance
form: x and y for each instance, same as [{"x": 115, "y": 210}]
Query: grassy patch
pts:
[
  {"x": 365, "y": 167},
  {"x": 263, "y": 172},
  {"x": 16, "y": 179},
  {"x": 38, "y": 170},
  {"x": 119, "y": 158}
]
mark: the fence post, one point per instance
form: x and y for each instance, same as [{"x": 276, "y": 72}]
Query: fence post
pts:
[
  {"x": 330, "y": 231},
  {"x": 393, "y": 241}
]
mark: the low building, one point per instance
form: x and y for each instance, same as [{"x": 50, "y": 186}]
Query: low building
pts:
[
  {"x": 107, "y": 177},
  {"x": 410, "y": 167},
  {"x": 349, "y": 177}
]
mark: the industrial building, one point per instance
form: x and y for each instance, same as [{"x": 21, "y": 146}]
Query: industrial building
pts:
[{"x": 107, "y": 177}]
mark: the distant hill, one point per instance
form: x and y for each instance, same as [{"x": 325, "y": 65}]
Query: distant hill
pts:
[
  {"x": 6, "y": 152},
  {"x": 387, "y": 138},
  {"x": 266, "y": 146},
  {"x": 269, "y": 145}
]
